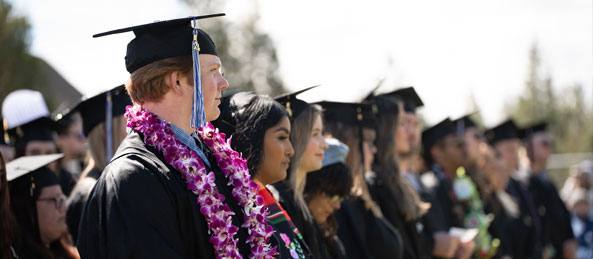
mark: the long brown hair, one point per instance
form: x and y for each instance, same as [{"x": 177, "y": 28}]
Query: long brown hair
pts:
[
  {"x": 351, "y": 136},
  {"x": 7, "y": 221},
  {"x": 386, "y": 166},
  {"x": 300, "y": 135}
]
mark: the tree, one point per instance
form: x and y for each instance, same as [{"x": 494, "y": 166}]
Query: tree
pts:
[
  {"x": 568, "y": 115},
  {"x": 18, "y": 69},
  {"x": 248, "y": 55}
]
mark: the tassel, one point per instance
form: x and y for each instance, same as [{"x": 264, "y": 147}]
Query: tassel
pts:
[{"x": 198, "y": 115}]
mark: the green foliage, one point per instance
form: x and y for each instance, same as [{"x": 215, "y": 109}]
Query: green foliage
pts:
[
  {"x": 248, "y": 55},
  {"x": 567, "y": 113},
  {"x": 18, "y": 69}
]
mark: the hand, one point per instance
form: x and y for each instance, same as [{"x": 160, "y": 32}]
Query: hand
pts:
[
  {"x": 445, "y": 245},
  {"x": 569, "y": 249},
  {"x": 465, "y": 250}
]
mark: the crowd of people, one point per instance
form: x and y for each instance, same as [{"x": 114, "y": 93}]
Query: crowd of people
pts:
[{"x": 167, "y": 166}]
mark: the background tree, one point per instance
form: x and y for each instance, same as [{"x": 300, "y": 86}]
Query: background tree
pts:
[
  {"x": 248, "y": 55},
  {"x": 567, "y": 113},
  {"x": 18, "y": 69}
]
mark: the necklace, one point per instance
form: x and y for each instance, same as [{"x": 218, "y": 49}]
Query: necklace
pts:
[{"x": 157, "y": 133}]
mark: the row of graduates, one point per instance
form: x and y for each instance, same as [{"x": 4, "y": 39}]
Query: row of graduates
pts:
[{"x": 361, "y": 198}]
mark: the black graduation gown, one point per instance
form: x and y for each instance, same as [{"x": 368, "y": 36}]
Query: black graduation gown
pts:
[
  {"x": 366, "y": 236},
  {"x": 67, "y": 181},
  {"x": 140, "y": 208},
  {"x": 409, "y": 230},
  {"x": 77, "y": 200},
  {"x": 445, "y": 210},
  {"x": 527, "y": 227},
  {"x": 555, "y": 218},
  {"x": 307, "y": 226}
]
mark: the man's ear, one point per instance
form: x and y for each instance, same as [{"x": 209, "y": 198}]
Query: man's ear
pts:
[{"x": 174, "y": 81}]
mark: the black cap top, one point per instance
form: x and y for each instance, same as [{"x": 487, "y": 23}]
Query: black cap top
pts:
[
  {"x": 464, "y": 123},
  {"x": 163, "y": 39},
  {"x": 92, "y": 109},
  {"x": 529, "y": 130},
  {"x": 408, "y": 96},
  {"x": 39, "y": 129},
  {"x": 437, "y": 132},
  {"x": 229, "y": 106},
  {"x": 506, "y": 130},
  {"x": 351, "y": 113},
  {"x": 29, "y": 175},
  {"x": 293, "y": 105}
]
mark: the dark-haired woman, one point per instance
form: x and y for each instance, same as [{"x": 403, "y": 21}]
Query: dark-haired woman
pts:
[
  {"x": 325, "y": 191},
  {"x": 39, "y": 207},
  {"x": 7, "y": 221},
  {"x": 260, "y": 128},
  {"x": 399, "y": 203}
]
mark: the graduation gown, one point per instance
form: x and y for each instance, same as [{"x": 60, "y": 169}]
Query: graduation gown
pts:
[
  {"x": 366, "y": 236},
  {"x": 555, "y": 218},
  {"x": 527, "y": 226},
  {"x": 140, "y": 208},
  {"x": 410, "y": 231},
  {"x": 77, "y": 200},
  {"x": 308, "y": 227}
]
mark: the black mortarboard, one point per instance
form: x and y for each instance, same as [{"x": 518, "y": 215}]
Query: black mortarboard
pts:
[
  {"x": 382, "y": 104},
  {"x": 437, "y": 132},
  {"x": 464, "y": 123},
  {"x": 506, "y": 130},
  {"x": 408, "y": 97},
  {"x": 351, "y": 113},
  {"x": 29, "y": 174},
  {"x": 529, "y": 130},
  {"x": 229, "y": 106},
  {"x": 163, "y": 39},
  {"x": 293, "y": 105},
  {"x": 93, "y": 109},
  {"x": 39, "y": 129}
]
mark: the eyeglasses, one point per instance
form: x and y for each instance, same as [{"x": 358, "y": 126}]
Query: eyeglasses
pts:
[{"x": 58, "y": 201}]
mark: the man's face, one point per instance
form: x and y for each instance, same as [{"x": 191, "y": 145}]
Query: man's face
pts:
[
  {"x": 507, "y": 150},
  {"x": 453, "y": 150},
  {"x": 473, "y": 139},
  {"x": 542, "y": 147},
  {"x": 213, "y": 83},
  {"x": 408, "y": 133}
]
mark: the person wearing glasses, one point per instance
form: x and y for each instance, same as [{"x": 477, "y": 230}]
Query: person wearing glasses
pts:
[
  {"x": 555, "y": 218},
  {"x": 38, "y": 204},
  {"x": 324, "y": 192}
]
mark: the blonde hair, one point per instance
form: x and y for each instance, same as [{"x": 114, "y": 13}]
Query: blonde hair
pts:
[
  {"x": 97, "y": 138},
  {"x": 352, "y": 137},
  {"x": 300, "y": 135}
]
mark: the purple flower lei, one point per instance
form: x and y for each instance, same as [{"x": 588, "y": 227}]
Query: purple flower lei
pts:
[{"x": 157, "y": 133}]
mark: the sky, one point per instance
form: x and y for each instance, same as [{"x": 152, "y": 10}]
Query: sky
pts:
[{"x": 448, "y": 50}]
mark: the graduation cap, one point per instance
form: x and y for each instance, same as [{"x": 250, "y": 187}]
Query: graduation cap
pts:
[
  {"x": 229, "y": 106},
  {"x": 529, "y": 130},
  {"x": 93, "y": 110},
  {"x": 166, "y": 39},
  {"x": 408, "y": 96},
  {"x": 350, "y": 113},
  {"x": 41, "y": 129},
  {"x": 506, "y": 130},
  {"x": 293, "y": 105},
  {"x": 464, "y": 123},
  {"x": 23, "y": 106},
  {"x": 29, "y": 174},
  {"x": 437, "y": 132}
]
